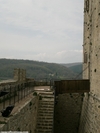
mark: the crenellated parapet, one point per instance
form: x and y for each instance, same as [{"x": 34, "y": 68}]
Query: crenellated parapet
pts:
[{"x": 19, "y": 74}]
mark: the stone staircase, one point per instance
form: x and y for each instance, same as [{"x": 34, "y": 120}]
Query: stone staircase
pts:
[{"x": 45, "y": 112}]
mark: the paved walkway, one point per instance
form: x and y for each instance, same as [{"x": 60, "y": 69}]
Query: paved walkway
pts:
[
  {"x": 18, "y": 105},
  {"x": 42, "y": 88}
]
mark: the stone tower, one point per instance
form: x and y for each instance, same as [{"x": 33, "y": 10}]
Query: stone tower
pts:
[
  {"x": 19, "y": 74},
  {"x": 90, "y": 116}
]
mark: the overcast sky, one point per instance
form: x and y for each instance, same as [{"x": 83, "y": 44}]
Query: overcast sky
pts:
[{"x": 42, "y": 30}]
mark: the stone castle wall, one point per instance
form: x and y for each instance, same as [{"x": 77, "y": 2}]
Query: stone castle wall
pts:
[
  {"x": 67, "y": 113},
  {"x": 19, "y": 74},
  {"x": 90, "y": 116},
  {"x": 24, "y": 118}
]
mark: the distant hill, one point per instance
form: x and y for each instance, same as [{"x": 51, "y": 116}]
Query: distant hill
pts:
[
  {"x": 35, "y": 69},
  {"x": 75, "y": 67},
  {"x": 72, "y": 64}
]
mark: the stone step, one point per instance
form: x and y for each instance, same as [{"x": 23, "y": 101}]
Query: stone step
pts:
[
  {"x": 44, "y": 120},
  {"x": 47, "y": 96},
  {"x": 41, "y": 121},
  {"x": 44, "y": 127},
  {"x": 47, "y": 128},
  {"x": 45, "y": 114},
  {"x": 45, "y": 109},
  {"x": 45, "y": 124},
  {"x": 40, "y": 91},
  {"x": 44, "y": 130},
  {"x": 46, "y": 106},
  {"x": 50, "y": 121},
  {"x": 47, "y": 100},
  {"x": 46, "y": 103},
  {"x": 45, "y": 117},
  {"x": 47, "y": 93}
]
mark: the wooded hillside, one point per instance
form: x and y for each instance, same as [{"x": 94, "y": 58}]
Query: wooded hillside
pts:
[{"x": 35, "y": 69}]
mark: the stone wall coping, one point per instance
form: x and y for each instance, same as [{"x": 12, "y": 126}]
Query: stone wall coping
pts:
[{"x": 18, "y": 107}]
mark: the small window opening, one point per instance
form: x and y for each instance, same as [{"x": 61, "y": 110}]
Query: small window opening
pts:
[
  {"x": 85, "y": 57},
  {"x": 87, "y": 5}
]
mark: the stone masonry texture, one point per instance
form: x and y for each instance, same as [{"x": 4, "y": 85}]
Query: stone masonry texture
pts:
[
  {"x": 24, "y": 119},
  {"x": 90, "y": 116},
  {"x": 67, "y": 113}
]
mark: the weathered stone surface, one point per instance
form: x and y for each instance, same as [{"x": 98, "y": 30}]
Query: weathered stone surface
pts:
[
  {"x": 90, "y": 116},
  {"x": 24, "y": 118},
  {"x": 67, "y": 113}
]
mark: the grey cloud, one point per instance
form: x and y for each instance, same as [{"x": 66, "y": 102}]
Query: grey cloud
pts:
[{"x": 44, "y": 27}]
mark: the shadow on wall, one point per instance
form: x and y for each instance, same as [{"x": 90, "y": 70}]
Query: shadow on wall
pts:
[{"x": 67, "y": 113}]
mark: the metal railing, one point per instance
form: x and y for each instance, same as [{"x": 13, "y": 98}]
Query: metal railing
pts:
[{"x": 12, "y": 93}]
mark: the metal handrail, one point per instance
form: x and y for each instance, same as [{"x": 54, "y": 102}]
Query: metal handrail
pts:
[{"x": 12, "y": 93}]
